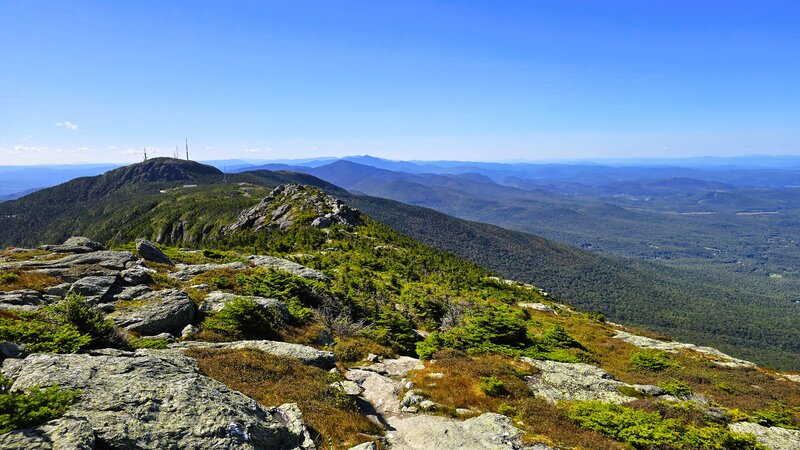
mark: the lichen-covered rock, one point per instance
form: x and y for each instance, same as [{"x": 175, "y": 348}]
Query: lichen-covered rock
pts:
[
  {"x": 148, "y": 251},
  {"x": 348, "y": 387},
  {"x": 217, "y": 300},
  {"x": 286, "y": 266},
  {"x": 574, "y": 381},
  {"x": 73, "y": 267},
  {"x": 187, "y": 272},
  {"x": 308, "y": 355},
  {"x": 775, "y": 438},
  {"x": 22, "y": 300},
  {"x": 167, "y": 311},
  {"x": 60, "y": 434},
  {"x": 150, "y": 399},
  {"x": 719, "y": 358}
]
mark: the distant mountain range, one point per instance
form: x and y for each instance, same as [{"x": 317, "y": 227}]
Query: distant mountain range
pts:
[{"x": 174, "y": 201}]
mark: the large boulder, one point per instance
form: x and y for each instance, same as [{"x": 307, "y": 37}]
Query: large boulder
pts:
[
  {"x": 150, "y": 399},
  {"x": 22, "y": 300},
  {"x": 308, "y": 355},
  {"x": 167, "y": 311},
  {"x": 774, "y": 438},
  {"x": 285, "y": 265},
  {"x": 187, "y": 272},
  {"x": 148, "y": 251}
]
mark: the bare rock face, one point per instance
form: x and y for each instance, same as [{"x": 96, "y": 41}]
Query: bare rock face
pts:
[
  {"x": 290, "y": 203},
  {"x": 150, "y": 399},
  {"x": 167, "y": 311},
  {"x": 488, "y": 431}
]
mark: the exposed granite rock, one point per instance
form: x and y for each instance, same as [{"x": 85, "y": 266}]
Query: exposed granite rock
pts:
[
  {"x": 365, "y": 446},
  {"x": 22, "y": 300},
  {"x": 150, "y": 399},
  {"x": 217, "y": 300},
  {"x": 59, "y": 290},
  {"x": 134, "y": 292},
  {"x": 308, "y": 355},
  {"x": 11, "y": 350},
  {"x": 167, "y": 311},
  {"x": 574, "y": 381},
  {"x": 286, "y": 266},
  {"x": 74, "y": 267},
  {"x": 75, "y": 244},
  {"x": 148, "y": 251},
  {"x": 379, "y": 390},
  {"x": 397, "y": 367},
  {"x": 137, "y": 274},
  {"x": 720, "y": 359},
  {"x": 93, "y": 289},
  {"x": 348, "y": 387},
  {"x": 187, "y": 272},
  {"x": 538, "y": 307},
  {"x": 423, "y": 432},
  {"x": 775, "y": 438}
]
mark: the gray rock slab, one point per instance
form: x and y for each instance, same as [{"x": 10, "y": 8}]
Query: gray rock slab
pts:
[
  {"x": 167, "y": 311},
  {"x": 187, "y": 272},
  {"x": 574, "y": 381},
  {"x": 308, "y": 355},
  {"x": 152, "y": 399},
  {"x": 286, "y": 266},
  {"x": 775, "y": 438},
  {"x": 21, "y": 300}
]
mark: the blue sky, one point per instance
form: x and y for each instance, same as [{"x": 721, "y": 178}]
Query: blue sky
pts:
[{"x": 95, "y": 81}]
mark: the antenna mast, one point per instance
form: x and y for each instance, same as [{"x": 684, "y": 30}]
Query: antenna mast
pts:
[
  {"x": 145, "y": 153},
  {"x": 187, "y": 149}
]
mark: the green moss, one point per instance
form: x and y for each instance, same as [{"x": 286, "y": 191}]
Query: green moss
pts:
[
  {"x": 32, "y": 408},
  {"x": 654, "y": 361}
]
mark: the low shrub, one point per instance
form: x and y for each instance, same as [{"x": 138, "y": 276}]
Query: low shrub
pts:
[
  {"x": 776, "y": 415},
  {"x": 492, "y": 386},
  {"x": 654, "y": 361},
  {"x": 32, "y": 408},
  {"x": 8, "y": 277},
  {"x": 644, "y": 430},
  {"x": 677, "y": 388},
  {"x": 243, "y": 318}
]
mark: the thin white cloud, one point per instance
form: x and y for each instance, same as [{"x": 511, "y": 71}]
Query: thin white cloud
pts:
[
  {"x": 68, "y": 125},
  {"x": 253, "y": 150},
  {"x": 23, "y": 149}
]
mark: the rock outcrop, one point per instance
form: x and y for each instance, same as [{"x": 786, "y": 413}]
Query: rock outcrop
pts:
[
  {"x": 289, "y": 203},
  {"x": 718, "y": 358},
  {"x": 75, "y": 244},
  {"x": 22, "y": 300},
  {"x": 150, "y": 399},
  {"x": 167, "y": 311},
  {"x": 308, "y": 355},
  {"x": 285, "y": 265},
  {"x": 577, "y": 381},
  {"x": 187, "y": 272},
  {"x": 774, "y": 438}
]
